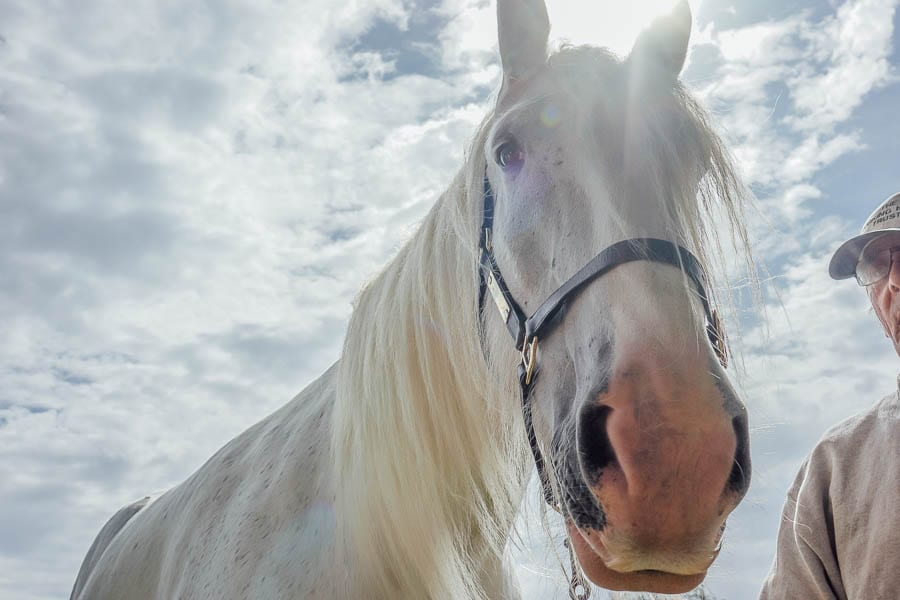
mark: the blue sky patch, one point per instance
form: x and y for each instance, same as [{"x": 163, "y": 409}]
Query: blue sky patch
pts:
[{"x": 414, "y": 50}]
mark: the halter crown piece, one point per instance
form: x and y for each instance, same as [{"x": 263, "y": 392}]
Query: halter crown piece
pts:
[{"x": 526, "y": 331}]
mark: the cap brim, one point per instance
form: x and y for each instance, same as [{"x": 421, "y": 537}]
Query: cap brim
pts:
[{"x": 843, "y": 263}]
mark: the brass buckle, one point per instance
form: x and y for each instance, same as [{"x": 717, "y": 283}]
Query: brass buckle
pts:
[{"x": 529, "y": 359}]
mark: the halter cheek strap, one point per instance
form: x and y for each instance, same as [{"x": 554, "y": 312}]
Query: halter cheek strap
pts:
[{"x": 525, "y": 331}]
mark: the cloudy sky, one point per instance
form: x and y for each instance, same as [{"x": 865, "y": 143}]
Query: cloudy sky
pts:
[{"x": 191, "y": 194}]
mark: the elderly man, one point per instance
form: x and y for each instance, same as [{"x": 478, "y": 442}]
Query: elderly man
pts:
[{"x": 840, "y": 530}]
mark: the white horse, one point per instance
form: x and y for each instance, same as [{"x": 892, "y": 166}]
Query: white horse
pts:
[{"x": 399, "y": 473}]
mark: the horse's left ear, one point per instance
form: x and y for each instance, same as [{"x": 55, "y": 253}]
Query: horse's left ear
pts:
[
  {"x": 663, "y": 45},
  {"x": 522, "y": 29}
]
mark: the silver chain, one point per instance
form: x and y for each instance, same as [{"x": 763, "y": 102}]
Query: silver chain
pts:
[{"x": 579, "y": 588}]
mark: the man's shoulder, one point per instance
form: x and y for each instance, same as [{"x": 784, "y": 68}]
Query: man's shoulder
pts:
[
  {"x": 858, "y": 439},
  {"x": 858, "y": 448},
  {"x": 841, "y": 511},
  {"x": 882, "y": 418}
]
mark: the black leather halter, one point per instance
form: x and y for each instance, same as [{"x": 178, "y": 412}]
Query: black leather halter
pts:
[{"x": 526, "y": 331}]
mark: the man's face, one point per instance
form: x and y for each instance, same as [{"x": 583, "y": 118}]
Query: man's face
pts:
[{"x": 885, "y": 294}]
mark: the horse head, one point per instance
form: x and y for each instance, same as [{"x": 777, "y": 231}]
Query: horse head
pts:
[{"x": 644, "y": 439}]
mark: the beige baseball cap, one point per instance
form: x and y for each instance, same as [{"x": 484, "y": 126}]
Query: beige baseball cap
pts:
[{"x": 885, "y": 219}]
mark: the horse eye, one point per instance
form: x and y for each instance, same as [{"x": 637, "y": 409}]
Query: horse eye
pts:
[{"x": 509, "y": 155}]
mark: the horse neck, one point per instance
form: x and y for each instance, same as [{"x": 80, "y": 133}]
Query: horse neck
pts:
[{"x": 428, "y": 452}]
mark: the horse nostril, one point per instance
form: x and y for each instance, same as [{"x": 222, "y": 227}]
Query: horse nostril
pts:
[
  {"x": 739, "y": 479},
  {"x": 594, "y": 448}
]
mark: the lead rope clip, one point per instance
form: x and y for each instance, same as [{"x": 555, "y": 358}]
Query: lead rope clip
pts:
[
  {"x": 579, "y": 589},
  {"x": 529, "y": 358}
]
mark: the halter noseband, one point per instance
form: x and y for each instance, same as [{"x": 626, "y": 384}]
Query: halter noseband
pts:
[{"x": 525, "y": 331}]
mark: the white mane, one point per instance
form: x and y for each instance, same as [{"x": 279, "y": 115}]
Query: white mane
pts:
[{"x": 429, "y": 455}]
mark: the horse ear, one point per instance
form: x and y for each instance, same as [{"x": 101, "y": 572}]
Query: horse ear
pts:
[
  {"x": 664, "y": 44},
  {"x": 523, "y": 28}
]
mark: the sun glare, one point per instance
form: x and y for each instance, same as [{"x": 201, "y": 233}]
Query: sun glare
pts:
[{"x": 611, "y": 23}]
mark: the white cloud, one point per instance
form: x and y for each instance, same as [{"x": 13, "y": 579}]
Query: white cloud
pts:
[
  {"x": 764, "y": 44},
  {"x": 784, "y": 91},
  {"x": 814, "y": 153},
  {"x": 468, "y": 42},
  {"x": 854, "y": 48}
]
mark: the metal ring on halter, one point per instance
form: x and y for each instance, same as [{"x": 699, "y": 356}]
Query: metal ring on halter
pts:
[{"x": 579, "y": 591}]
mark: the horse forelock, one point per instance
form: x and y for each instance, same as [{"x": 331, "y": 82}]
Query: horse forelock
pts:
[
  {"x": 660, "y": 143},
  {"x": 655, "y": 141}
]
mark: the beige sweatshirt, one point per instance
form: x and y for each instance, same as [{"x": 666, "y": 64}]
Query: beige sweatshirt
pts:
[{"x": 840, "y": 528}]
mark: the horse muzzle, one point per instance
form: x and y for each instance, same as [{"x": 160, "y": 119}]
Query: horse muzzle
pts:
[{"x": 662, "y": 457}]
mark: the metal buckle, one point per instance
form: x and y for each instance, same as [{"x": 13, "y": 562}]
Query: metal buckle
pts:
[
  {"x": 497, "y": 295},
  {"x": 529, "y": 358}
]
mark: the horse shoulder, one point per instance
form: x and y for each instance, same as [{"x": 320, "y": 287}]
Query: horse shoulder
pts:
[
  {"x": 101, "y": 542},
  {"x": 253, "y": 522},
  {"x": 259, "y": 521}
]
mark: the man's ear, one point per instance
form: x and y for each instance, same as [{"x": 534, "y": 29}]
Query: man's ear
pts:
[
  {"x": 523, "y": 28},
  {"x": 663, "y": 46}
]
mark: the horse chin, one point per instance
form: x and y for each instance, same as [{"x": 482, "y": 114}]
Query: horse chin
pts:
[{"x": 594, "y": 560}]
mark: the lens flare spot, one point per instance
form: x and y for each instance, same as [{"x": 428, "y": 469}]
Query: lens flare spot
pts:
[{"x": 551, "y": 115}]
